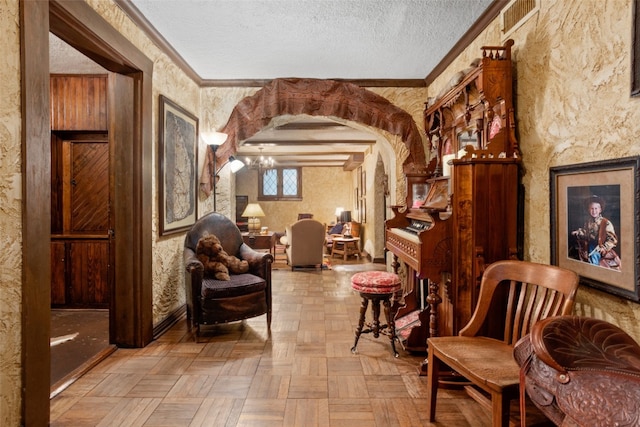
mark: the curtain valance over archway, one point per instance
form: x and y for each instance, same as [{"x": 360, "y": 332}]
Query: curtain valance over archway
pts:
[{"x": 316, "y": 97}]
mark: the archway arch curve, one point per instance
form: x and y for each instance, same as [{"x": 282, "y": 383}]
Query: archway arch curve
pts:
[{"x": 317, "y": 97}]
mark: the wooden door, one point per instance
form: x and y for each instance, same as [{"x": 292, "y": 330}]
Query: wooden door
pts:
[
  {"x": 87, "y": 189},
  {"x": 58, "y": 273},
  {"x": 80, "y": 221}
]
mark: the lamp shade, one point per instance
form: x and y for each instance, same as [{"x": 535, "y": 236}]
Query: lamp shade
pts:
[
  {"x": 253, "y": 210},
  {"x": 234, "y": 164},
  {"x": 345, "y": 216},
  {"x": 214, "y": 138},
  {"x": 339, "y": 211}
]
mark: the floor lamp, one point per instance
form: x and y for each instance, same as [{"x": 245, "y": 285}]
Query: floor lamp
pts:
[{"x": 215, "y": 140}]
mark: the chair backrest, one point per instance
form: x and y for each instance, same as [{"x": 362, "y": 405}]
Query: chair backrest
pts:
[
  {"x": 532, "y": 292},
  {"x": 218, "y": 224},
  {"x": 355, "y": 228},
  {"x": 306, "y": 241}
]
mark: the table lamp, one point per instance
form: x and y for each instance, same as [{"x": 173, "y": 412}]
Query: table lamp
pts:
[{"x": 253, "y": 211}]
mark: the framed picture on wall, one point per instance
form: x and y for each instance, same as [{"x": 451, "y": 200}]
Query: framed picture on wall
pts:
[
  {"x": 595, "y": 211},
  {"x": 177, "y": 160}
]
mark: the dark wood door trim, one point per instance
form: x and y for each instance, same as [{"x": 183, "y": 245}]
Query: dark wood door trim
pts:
[
  {"x": 36, "y": 212},
  {"x": 79, "y": 25}
]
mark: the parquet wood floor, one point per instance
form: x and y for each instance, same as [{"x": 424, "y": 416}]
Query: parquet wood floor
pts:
[{"x": 303, "y": 375}]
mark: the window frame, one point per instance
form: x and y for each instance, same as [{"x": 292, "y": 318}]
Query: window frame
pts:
[{"x": 279, "y": 196}]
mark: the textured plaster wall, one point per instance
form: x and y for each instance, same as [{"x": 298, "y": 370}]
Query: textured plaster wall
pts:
[
  {"x": 170, "y": 81},
  {"x": 573, "y": 67},
  {"x": 572, "y": 63},
  {"x": 323, "y": 189},
  {"x": 216, "y": 107},
  {"x": 10, "y": 216}
]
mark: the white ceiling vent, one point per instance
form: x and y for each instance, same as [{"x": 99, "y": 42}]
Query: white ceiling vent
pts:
[{"x": 516, "y": 13}]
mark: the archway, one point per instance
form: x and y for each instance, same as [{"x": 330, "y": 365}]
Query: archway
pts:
[{"x": 317, "y": 98}]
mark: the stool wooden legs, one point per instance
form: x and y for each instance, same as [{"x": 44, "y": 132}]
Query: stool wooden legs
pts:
[
  {"x": 363, "y": 312},
  {"x": 391, "y": 323},
  {"x": 375, "y": 326}
]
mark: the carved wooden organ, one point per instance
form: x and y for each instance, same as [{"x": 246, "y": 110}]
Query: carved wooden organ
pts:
[{"x": 464, "y": 213}]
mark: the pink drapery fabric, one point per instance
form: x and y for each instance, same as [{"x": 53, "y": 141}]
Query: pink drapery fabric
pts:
[{"x": 315, "y": 97}]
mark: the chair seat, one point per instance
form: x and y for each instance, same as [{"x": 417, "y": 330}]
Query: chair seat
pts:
[
  {"x": 485, "y": 360},
  {"x": 240, "y": 284},
  {"x": 375, "y": 282}
]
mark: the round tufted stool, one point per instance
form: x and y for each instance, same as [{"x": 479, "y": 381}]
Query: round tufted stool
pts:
[{"x": 376, "y": 286}]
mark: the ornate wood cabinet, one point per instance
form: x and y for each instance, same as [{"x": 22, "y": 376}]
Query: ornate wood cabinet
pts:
[
  {"x": 464, "y": 214},
  {"x": 472, "y": 128}
]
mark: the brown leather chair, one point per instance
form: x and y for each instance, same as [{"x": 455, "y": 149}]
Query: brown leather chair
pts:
[
  {"x": 211, "y": 301},
  {"x": 580, "y": 371},
  {"x": 527, "y": 292}
]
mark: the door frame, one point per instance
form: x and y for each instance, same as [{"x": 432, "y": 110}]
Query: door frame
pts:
[{"x": 80, "y": 26}]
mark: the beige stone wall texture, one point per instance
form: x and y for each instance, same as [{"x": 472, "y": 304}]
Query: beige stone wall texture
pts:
[
  {"x": 573, "y": 65},
  {"x": 171, "y": 82},
  {"x": 323, "y": 189},
  {"x": 10, "y": 216},
  {"x": 573, "y": 105}
]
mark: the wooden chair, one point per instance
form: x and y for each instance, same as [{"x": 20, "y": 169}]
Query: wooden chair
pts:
[{"x": 482, "y": 353}]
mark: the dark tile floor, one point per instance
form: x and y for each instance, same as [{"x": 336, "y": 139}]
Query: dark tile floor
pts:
[{"x": 77, "y": 337}]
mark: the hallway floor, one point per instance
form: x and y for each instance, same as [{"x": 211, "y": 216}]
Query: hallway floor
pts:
[
  {"x": 78, "y": 337},
  {"x": 303, "y": 375}
]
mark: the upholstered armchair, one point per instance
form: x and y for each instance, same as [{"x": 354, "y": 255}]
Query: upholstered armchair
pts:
[
  {"x": 211, "y": 301},
  {"x": 305, "y": 243},
  {"x": 580, "y": 371}
]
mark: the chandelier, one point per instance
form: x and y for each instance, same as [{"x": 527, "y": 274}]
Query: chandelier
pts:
[{"x": 260, "y": 162}]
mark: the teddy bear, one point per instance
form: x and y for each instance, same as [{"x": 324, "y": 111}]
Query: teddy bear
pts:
[{"x": 218, "y": 263}]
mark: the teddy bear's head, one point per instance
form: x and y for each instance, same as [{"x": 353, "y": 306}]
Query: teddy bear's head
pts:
[{"x": 209, "y": 245}]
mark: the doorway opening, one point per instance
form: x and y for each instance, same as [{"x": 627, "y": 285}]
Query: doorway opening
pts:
[{"x": 129, "y": 126}]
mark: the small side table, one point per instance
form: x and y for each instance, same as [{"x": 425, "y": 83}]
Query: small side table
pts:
[
  {"x": 345, "y": 246},
  {"x": 261, "y": 241}
]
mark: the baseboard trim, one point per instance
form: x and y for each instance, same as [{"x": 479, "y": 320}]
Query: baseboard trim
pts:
[
  {"x": 73, "y": 376},
  {"x": 173, "y": 318}
]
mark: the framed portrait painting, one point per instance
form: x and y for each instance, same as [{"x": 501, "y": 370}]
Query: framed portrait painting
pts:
[
  {"x": 595, "y": 223},
  {"x": 178, "y": 160}
]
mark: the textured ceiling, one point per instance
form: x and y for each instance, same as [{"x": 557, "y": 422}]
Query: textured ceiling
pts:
[
  {"x": 265, "y": 39},
  {"x": 345, "y": 39}
]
